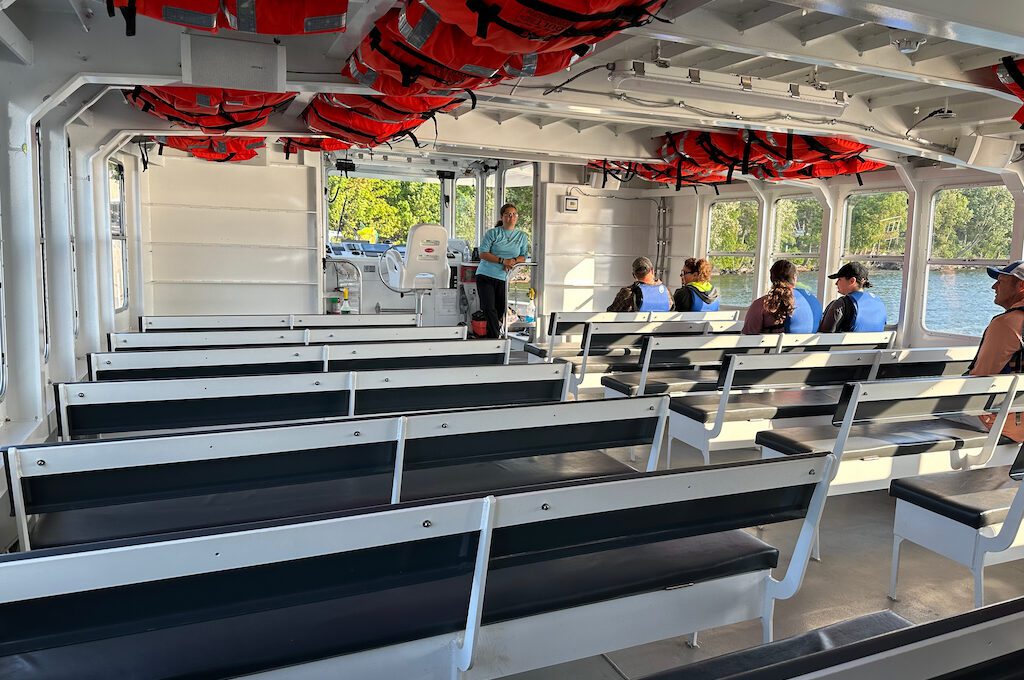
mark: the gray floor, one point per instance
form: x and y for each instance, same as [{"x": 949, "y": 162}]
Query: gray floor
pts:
[{"x": 851, "y": 579}]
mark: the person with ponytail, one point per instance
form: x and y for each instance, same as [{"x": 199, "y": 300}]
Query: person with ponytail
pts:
[
  {"x": 501, "y": 249},
  {"x": 786, "y": 308}
]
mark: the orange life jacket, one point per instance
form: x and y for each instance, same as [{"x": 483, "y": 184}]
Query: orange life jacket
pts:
[
  {"x": 210, "y": 109},
  {"x": 218, "y": 149},
  {"x": 274, "y": 17},
  {"x": 352, "y": 126}
]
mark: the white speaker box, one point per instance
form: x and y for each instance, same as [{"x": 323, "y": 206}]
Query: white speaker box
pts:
[{"x": 239, "y": 64}]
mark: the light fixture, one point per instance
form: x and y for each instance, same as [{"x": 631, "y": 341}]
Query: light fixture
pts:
[{"x": 693, "y": 84}]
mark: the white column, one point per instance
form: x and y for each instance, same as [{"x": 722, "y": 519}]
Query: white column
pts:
[
  {"x": 833, "y": 224},
  {"x": 1013, "y": 178},
  {"x": 915, "y": 259},
  {"x": 24, "y": 395},
  {"x": 133, "y": 210},
  {"x": 765, "y": 233},
  {"x": 101, "y": 228},
  {"x": 59, "y": 256},
  {"x": 86, "y": 254}
]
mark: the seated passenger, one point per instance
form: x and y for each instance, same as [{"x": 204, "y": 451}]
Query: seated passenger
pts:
[
  {"x": 647, "y": 294},
  {"x": 786, "y": 308},
  {"x": 1002, "y": 347},
  {"x": 857, "y": 310},
  {"x": 697, "y": 294}
]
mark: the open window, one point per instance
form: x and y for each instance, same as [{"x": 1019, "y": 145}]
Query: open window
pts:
[
  {"x": 465, "y": 209},
  {"x": 732, "y": 247},
  {"x": 519, "y": 192},
  {"x": 118, "y": 237},
  {"x": 377, "y": 210},
  {"x": 971, "y": 228},
  {"x": 798, "y": 225},
  {"x": 876, "y": 236}
]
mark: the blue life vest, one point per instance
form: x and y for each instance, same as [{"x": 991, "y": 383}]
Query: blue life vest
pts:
[
  {"x": 654, "y": 297},
  {"x": 699, "y": 304},
  {"x": 871, "y": 315},
  {"x": 806, "y": 315}
]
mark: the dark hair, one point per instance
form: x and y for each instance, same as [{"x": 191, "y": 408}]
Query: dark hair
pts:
[
  {"x": 780, "y": 302},
  {"x": 505, "y": 207},
  {"x": 701, "y": 268}
]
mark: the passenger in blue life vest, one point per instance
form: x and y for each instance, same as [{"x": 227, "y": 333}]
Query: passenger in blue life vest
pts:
[
  {"x": 857, "y": 310},
  {"x": 647, "y": 294},
  {"x": 697, "y": 294},
  {"x": 786, "y": 308},
  {"x": 502, "y": 248}
]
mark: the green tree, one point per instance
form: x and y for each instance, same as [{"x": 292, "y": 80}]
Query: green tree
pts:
[
  {"x": 878, "y": 223},
  {"x": 734, "y": 227},
  {"x": 389, "y": 206},
  {"x": 972, "y": 223}
]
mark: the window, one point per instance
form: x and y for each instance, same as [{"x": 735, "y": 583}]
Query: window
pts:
[
  {"x": 732, "y": 245},
  {"x": 876, "y": 236},
  {"x": 798, "y": 223},
  {"x": 465, "y": 209},
  {"x": 118, "y": 239},
  {"x": 379, "y": 210},
  {"x": 519, "y": 192},
  {"x": 971, "y": 228},
  {"x": 490, "y": 186}
]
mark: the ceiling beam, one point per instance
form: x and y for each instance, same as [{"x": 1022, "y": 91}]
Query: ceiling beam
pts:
[
  {"x": 945, "y": 48},
  {"x": 993, "y": 23},
  {"x": 779, "y": 69},
  {"x": 872, "y": 41},
  {"x": 14, "y": 40},
  {"x": 723, "y": 60},
  {"x": 980, "y": 59},
  {"x": 908, "y": 96},
  {"x": 824, "y": 29},
  {"x": 709, "y": 29},
  {"x": 767, "y": 14}
]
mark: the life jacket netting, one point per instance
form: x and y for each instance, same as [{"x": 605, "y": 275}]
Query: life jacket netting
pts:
[
  {"x": 1011, "y": 75},
  {"x": 211, "y": 109},
  {"x": 218, "y": 149},
  {"x": 528, "y": 26},
  {"x": 353, "y": 127},
  {"x": 273, "y": 17},
  {"x": 679, "y": 173},
  {"x": 294, "y": 144},
  {"x": 543, "y": 63}
]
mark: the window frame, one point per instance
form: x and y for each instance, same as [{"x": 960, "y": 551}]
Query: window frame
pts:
[
  {"x": 962, "y": 262},
  {"x": 774, "y": 255},
  {"x": 121, "y": 234},
  {"x": 43, "y": 274},
  {"x": 723, "y": 253}
]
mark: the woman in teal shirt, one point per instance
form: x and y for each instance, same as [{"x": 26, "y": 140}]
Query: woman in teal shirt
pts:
[{"x": 502, "y": 248}]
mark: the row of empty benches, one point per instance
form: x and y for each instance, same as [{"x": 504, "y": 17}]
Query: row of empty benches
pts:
[{"x": 442, "y": 518}]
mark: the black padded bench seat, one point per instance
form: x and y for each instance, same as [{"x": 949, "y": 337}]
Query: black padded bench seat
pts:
[
  {"x": 163, "y": 516},
  {"x": 812, "y": 642},
  {"x": 978, "y": 498},
  {"x": 266, "y": 622},
  {"x": 759, "y": 406},
  {"x": 663, "y": 382},
  {"x": 884, "y": 440}
]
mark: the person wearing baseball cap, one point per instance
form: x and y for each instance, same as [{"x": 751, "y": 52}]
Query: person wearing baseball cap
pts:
[
  {"x": 1002, "y": 347},
  {"x": 647, "y": 294},
  {"x": 857, "y": 310}
]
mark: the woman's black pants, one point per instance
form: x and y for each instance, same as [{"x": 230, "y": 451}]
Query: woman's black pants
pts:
[{"x": 492, "y": 303}]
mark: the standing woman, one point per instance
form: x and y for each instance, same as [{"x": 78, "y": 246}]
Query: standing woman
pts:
[
  {"x": 786, "y": 308},
  {"x": 502, "y": 248}
]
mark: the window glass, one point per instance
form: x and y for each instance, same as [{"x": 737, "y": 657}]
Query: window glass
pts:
[
  {"x": 971, "y": 226},
  {"x": 379, "y": 210},
  {"x": 876, "y": 236},
  {"x": 798, "y": 224},
  {"x": 118, "y": 247},
  {"x": 465, "y": 209},
  {"x": 490, "y": 199},
  {"x": 519, "y": 192},
  {"x": 732, "y": 243}
]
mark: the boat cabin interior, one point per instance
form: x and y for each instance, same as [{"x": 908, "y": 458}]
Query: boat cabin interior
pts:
[{"x": 604, "y": 339}]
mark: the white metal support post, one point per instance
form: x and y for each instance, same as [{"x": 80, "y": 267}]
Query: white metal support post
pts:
[
  {"x": 766, "y": 231},
  {"x": 1013, "y": 178},
  {"x": 831, "y": 235},
  {"x": 59, "y": 256},
  {"x": 134, "y": 226},
  {"x": 915, "y": 258},
  {"x": 448, "y": 199},
  {"x": 21, "y": 269},
  {"x": 89, "y": 338}
]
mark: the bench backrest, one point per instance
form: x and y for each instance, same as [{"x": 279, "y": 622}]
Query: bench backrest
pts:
[
  {"x": 99, "y": 408},
  {"x": 598, "y": 335},
  {"x": 573, "y": 323},
  {"x": 152, "y": 324},
  {"x": 208, "y": 363},
  {"x": 926, "y": 362},
  {"x": 77, "y": 475},
  {"x": 119, "y": 342},
  {"x": 130, "y": 589}
]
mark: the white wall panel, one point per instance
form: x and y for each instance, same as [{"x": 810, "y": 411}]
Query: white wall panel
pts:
[{"x": 231, "y": 239}]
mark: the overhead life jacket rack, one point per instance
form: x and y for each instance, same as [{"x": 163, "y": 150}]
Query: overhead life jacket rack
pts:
[
  {"x": 1011, "y": 74},
  {"x": 354, "y": 127},
  {"x": 294, "y": 144},
  {"x": 211, "y": 109},
  {"x": 272, "y": 17},
  {"x": 529, "y": 26},
  {"x": 395, "y": 109},
  {"x": 680, "y": 174},
  {"x": 544, "y": 63},
  {"x": 386, "y": 50},
  {"x": 218, "y": 149}
]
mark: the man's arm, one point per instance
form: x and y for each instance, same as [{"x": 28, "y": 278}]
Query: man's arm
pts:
[
  {"x": 832, "y": 317},
  {"x": 623, "y": 302}
]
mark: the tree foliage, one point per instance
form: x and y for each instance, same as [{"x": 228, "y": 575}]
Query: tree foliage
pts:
[
  {"x": 973, "y": 223},
  {"x": 388, "y": 206},
  {"x": 734, "y": 227}
]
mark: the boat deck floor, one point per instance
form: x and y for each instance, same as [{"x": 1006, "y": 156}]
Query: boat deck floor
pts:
[{"x": 851, "y": 580}]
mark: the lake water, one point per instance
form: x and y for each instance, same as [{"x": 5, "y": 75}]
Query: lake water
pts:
[{"x": 957, "y": 301}]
